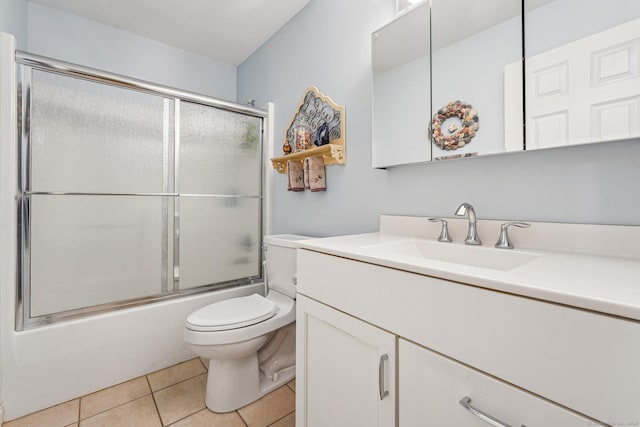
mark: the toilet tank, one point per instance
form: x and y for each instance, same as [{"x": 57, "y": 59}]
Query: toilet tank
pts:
[{"x": 280, "y": 257}]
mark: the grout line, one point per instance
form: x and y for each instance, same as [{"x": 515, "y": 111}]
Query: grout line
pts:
[
  {"x": 153, "y": 397},
  {"x": 181, "y": 381},
  {"x": 115, "y": 407},
  {"x": 108, "y": 409},
  {"x": 185, "y": 417},
  {"x": 203, "y": 365},
  {"x": 242, "y": 418},
  {"x": 79, "y": 410},
  {"x": 281, "y": 418}
]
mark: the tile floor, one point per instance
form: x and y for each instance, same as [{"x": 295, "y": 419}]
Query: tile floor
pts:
[{"x": 170, "y": 397}]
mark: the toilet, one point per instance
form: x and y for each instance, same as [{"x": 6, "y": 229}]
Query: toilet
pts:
[{"x": 250, "y": 341}]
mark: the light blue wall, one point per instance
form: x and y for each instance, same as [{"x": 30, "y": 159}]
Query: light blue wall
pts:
[
  {"x": 327, "y": 45},
  {"x": 71, "y": 38},
  {"x": 53, "y": 33},
  {"x": 13, "y": 20}
]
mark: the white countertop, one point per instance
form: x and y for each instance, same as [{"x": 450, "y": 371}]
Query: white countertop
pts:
[{"x": 604, "y": 284}]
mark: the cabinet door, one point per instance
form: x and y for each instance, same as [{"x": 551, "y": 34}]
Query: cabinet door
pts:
[
  {"x": 345, "y": 370},
  {"x": 431, "y": 387}
]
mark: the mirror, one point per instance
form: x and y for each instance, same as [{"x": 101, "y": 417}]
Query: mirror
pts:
[
  {"x": 581, "y": 78},
  {"x": 582, "y": 71},
  {"x": 473, "y": 44},
  {"x": 401, "y": 90}
]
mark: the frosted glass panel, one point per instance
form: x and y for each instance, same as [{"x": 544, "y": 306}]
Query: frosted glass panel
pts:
[
  {"x": 100, "y": 250},
  {"x": 219, "y": 151},
  {"x": 88, "y": 137},
  {"x": 88, "y": 250},
  {"x": 219, "y": 240}
]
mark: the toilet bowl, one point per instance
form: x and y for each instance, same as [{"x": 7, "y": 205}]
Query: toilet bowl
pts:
[{"x": 250, "y": 341}]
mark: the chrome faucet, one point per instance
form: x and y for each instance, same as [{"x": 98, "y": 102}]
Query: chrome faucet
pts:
[{"x": 472, "y": 235}]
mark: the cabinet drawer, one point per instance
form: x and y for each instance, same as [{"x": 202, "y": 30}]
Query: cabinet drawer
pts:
[
  {"x": 431, "y": 387},
  {"x": 582, "y": 360}
]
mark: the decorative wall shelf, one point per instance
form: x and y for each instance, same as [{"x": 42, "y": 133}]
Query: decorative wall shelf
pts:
[
  {"x": 316, "y": 109},
  {"x": 332, "y": 154}
]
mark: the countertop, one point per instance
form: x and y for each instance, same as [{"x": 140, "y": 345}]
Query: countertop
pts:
[{"x": 605, "y": 284}]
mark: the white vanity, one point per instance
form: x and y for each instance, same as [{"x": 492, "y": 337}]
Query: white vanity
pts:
[{"x": 397, "y": 329}]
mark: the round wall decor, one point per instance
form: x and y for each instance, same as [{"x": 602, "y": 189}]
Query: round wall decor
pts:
[{"x": 461, "y": 129}]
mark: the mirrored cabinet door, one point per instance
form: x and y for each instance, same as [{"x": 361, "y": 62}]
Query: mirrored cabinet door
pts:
[
  {"x": 401, "y": 90},
  {"x": 579, "y": 82},
  {"x": 476, "y": 77},
  {"x": 582, "y": 71}
]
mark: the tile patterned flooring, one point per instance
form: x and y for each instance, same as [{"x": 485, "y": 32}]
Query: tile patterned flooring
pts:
[{"x": 170, "y": 397}]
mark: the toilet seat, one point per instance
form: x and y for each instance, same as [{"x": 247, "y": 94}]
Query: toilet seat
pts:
[{"x": 232, "y": 313}]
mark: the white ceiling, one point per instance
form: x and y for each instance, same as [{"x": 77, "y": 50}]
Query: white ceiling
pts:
[{"x": 225, "y": 30}]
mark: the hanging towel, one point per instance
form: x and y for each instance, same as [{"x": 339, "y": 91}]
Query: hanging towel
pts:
[
  {"x": 315, "y": 173},
  {"x": 307, "y": 184},
  {"x": 294, "y": 174}
]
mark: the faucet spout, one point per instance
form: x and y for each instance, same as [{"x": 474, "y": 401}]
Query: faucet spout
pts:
[{"x": 472, "y": 234}]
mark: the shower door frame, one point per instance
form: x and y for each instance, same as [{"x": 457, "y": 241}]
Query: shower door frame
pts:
[{"x": 26, "y": 63}]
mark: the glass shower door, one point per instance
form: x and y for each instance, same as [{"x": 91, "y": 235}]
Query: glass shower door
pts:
[
  {"x": 219, "y": 181},
  {"x": 93, "y": 148},
  {"x": 131, "y": 193}
]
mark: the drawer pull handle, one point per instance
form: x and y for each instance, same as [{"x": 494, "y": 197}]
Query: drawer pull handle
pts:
[
  {"x": 466, "y": 403},
  {"x": 381, "y": 389}
]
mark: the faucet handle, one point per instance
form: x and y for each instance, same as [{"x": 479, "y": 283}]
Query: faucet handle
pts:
[
  {"x": 503, "y": 241},
  {"x": 444, "y": 233}
]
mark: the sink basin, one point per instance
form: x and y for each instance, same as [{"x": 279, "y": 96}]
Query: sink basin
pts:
[{"x": 495, "y": 259}]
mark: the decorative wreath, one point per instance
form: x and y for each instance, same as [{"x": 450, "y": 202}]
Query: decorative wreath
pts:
[{"x": 457, "y": 136}]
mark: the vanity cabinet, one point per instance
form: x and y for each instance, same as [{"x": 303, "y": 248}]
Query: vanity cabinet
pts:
[
  {"x": 345, "y": 369},
  {"x": 432, "y": 386},
  {"x": 554, "y": 364}
]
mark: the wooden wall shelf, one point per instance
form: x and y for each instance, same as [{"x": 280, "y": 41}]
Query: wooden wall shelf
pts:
[
  {"x": 332, "y": 154},
  {"x": 314, "y": 110}
]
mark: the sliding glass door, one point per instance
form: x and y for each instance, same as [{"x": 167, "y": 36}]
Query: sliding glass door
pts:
[{"x": 129, "y": 195}]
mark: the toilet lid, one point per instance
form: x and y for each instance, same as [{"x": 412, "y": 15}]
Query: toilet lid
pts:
[{"x": 232, "y": 313}]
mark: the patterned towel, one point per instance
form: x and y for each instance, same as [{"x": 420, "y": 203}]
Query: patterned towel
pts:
[
  {"x": 294, "y": 174},
  {"x": 307, "y": 184},
  {"x": 314, "y": 174}
]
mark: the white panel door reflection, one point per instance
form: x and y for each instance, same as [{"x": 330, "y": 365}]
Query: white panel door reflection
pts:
[{"x": 585, "y": 91}]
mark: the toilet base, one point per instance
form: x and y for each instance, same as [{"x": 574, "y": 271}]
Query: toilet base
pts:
[{"x": 232, "y": 384}]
